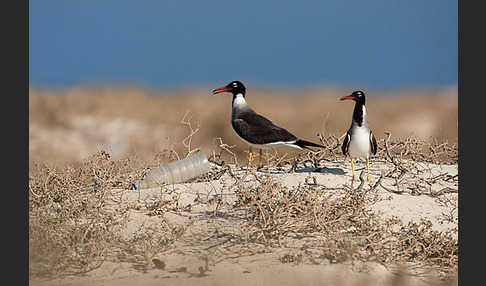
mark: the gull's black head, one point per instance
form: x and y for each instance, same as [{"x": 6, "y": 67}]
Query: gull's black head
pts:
[
  {"x": 235, "y": 87},
  {"x": 357, "y": 96}
]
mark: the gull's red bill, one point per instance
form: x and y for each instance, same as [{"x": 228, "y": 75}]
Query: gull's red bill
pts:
[
  {"x": 221, "y": 89},
  {"x": 347, "y": 97}
]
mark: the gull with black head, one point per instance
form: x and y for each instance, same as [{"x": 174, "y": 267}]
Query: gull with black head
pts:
[
  {"x": 257, "y": 131},
  {"x": 359, "y": 141}
]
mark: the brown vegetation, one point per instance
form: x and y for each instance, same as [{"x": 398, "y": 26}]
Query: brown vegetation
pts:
[
  {"x": 72, "y": 230},
  {"x": 69, "y": 125}
]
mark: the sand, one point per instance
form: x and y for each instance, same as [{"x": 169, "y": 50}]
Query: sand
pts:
[{"x": 199, "y": 260}]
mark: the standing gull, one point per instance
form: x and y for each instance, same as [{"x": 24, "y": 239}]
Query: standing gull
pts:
[
  {"x": 257, "y": 131},
  {"x": 359, "y": 141}
]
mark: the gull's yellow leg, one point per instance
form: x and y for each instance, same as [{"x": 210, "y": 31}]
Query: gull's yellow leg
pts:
[
  {"x": 352, "y": 168},
  {"x": 368, "y": 170},
  {"x": 249, "y": 155}
]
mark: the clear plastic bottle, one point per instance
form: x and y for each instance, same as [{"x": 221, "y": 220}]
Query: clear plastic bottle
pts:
[{"x": 175, "y": 172}]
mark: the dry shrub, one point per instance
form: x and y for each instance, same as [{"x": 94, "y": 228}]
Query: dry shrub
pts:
[
  {"x": 70, "y": 231},
  {"x": 339, "y": 225},
  {"x": 276, "y": 212},
  {"x": 67, "y": 229},
  {"x": 418, "y": 242}
]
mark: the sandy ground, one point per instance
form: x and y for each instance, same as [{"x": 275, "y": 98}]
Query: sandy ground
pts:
[{"x": 197, "y": 261}]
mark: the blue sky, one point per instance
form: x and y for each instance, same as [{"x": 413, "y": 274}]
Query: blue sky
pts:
[{"x": 380, "y": 44}]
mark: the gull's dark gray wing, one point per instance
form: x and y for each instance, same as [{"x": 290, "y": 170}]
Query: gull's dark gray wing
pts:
[
  {"x": 345, "y": 145},
  {"x": 257, "y": 129},
  {"x": 373, "y": 145}
]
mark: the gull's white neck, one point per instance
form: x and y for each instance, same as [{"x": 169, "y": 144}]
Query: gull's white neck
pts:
[{"x": 239, "y": 100}]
